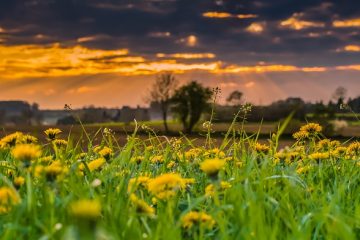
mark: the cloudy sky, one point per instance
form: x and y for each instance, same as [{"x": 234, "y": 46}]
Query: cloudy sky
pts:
[{"x": 108, "y": 52}]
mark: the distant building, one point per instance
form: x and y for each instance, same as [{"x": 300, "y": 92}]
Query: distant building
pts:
[{"x": 128, "y": 114}]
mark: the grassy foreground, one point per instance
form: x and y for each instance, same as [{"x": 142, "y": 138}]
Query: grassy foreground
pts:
[{"x": 162, "y": 188}]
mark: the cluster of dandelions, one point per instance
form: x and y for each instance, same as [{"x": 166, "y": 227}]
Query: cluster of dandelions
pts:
[{"x": 155, "y": 175}]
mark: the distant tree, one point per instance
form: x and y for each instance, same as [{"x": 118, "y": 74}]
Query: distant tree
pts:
[
  {"x": 161, "y": 92},
  {"x": 235, "y": 98},
  {"x": 2, "y": 116},
  {"x": 189, "y": 102},
  {"x": 339, "y": 95},
  {"x": 354, "y": 104}
]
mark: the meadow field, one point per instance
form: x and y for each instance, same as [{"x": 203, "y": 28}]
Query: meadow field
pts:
[{"x": 158, "y": 187}]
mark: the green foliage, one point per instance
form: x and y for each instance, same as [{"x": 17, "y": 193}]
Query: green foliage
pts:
[
  {"x": 307, "y": 191},
  {"x": 189, "y": 102}
]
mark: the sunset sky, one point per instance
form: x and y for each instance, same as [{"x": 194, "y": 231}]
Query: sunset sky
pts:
[{"x": 107, "y": 52}]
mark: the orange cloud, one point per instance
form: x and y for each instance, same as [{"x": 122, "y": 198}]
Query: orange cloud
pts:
[
  {"x": 352, "y": 48},
  {"x": 27, "y": 61},
  {"x": 173, "y": 66},
  {"x": 295, "y": 22},
  {"x": 268, "y": 68},
  {"x": 313, "y": 69},
  {"x": 355, "y": 22},
  {"x": 80, "y": 90},
  {"x": 186, "y": 55},
  {"x": 244, "y": 16},
  {"x": 258, "y": 69},
  {"x": 52, "y": 60},
  {"x": 86, "y": 39},
  {"x": 349, "y": 67},
  {"x": 227, "y": 15},
  {"x": 256, "y": 28}
]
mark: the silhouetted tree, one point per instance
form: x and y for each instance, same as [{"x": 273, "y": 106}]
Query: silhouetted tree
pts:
[
  {"x": 339, "y": 95},
  {"x": 235, "y": 98},
  {"x": 161, "y": 92},
  {"x": 189, "y": 102},
  {"x": 354, "y": 104},
  {"x": 2, "y": 116}
]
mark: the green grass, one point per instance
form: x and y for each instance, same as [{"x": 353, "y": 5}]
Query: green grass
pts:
[{"x": 269, "y": 198}]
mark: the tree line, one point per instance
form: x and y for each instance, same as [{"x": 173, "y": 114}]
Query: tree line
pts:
[{"x": 188, "y": 102}]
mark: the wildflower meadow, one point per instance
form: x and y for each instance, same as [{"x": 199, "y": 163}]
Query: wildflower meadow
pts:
[{"x": 169, "y": 188}]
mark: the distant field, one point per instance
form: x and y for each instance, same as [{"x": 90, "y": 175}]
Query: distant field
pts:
[{"x": 122, "y": 130}]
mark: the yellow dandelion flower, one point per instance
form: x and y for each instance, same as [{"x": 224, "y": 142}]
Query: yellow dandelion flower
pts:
[
  {"x": 317, "y": 156},
  {"x": 280, "y": 156},
  {"x": 8, "y": 199},
  {"x": 225, "y": 185},
  {"x": 212, "y": 166},
  {"x": 28, "y": 139},
  {"x": 19, "y": 181},
  {"x": 353, "y": 149},
  {"x": 193, "y": 153},
  {"x": 292, "y": 156},
  {"x": 97, "y": 149},
  {"x": 171, "y": 164},
  {"x": 197, "y": 218},
  {"x": 11, "y": 140},
  {"x": 323, "y": 144},
  {"x": 26, "y": 152},
  {"x": 166, "y": 186},
  {"x": 286, "y": 156},
  {"x": 303, "y": 169},
  {"x": 335, "y": 143},
  {"x": 86, "y": 209},
  {"x": 96, "y": 164},
  {"x": 134, "y": 183},
  {"x": 261, "y": 148},
  {"x": 157, "y": 159},
  {"x": 51, "y": 133},
  {"x": 215, "y": 152},
  {"x": 38, "y": 170},
  {"x": 301, "y": 135},
  {"x": 46, "y": 159},
  {"x": 339, "y": 151},
  {"x": 210, "y": 189},
  {"x": 311, "y": 128},
  {"x": 106, "y": 153},
  {"x": 53, "y": 170},
  {"x": 188, "y": 181},
  {"x": 60, "y": 143},
  {"x": 141, "y": 206}
]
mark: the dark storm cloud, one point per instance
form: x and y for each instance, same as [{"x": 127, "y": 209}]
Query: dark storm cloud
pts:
[{"x": 134, "y": 24}]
